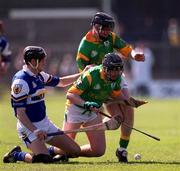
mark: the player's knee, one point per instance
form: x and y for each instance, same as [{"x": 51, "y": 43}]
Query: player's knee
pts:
[
  {"x": 42, "y": 158},
  {"x": 77, "y": 152},
  {"x": 74, "y": 152},
  {"x": 99, "y": 152}
]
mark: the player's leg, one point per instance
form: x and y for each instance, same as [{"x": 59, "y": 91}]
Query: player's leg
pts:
[
  {"x": 35, "y": 146},
  {"x": 127, "y": 114},
  {"x": 40, "y": 152},
  {"x": 38, "y": 148},
  {"x": 16, "y": 154},
  {"x": 74, "y": 118},
  {"x": 70, "y": 126},
  {"x": 71, "y": 149},
  {"x": 97, "y": 142},
  {"x": 64, "y": 144}
]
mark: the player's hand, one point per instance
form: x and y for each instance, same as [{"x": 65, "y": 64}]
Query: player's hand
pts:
[
  {"x": 40, "y": 134},
  {"x": 134, "y": 102},
  {"x": 87, "y": 67},
  {"x": 139, "y": 57},
  {"x": 92, "y": 106}
]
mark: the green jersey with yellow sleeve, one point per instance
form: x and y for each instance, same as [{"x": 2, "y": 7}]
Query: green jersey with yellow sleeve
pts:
[
  {"x": 92, "y": 86},
  {"x": 92, "y": 50}
]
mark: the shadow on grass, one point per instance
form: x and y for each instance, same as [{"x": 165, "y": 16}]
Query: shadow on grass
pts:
[
  {"x": 156, "y": 162},
  {"x": 132, "y": 162},
  {"x": 107, "y": 163}
]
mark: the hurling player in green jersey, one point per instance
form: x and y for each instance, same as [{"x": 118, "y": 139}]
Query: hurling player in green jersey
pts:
[
  {"x": 85, "y": 99},
  {"x": 99, "y": 41}
]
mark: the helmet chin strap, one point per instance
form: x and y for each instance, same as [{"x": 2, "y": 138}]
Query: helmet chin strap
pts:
[
  {"x": 108, "y": 77},
  {"x": 100, "y": 28},
  {"x": 99, "y": 31},
  {"x": 36, "y": 66}
]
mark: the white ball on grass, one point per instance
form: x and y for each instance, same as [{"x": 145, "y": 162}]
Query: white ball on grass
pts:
[{"x": 137, "y": 156}]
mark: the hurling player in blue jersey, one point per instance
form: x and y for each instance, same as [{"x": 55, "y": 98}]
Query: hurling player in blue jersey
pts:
[
  {"x": 27, "y": 98},
  {"x": 5, "y": 52}
]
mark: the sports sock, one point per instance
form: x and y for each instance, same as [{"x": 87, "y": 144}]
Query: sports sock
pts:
[
  {"x": 51, "y": 151},
  {"x": 19, "y": 156},
  {"x": 123, "y": 143}
]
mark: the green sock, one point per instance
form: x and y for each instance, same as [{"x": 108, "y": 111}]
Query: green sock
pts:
[{"x": 123, "y": 143}]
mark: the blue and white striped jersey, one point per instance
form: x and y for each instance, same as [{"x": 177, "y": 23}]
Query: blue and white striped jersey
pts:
[{"x": 28, "y": 91}]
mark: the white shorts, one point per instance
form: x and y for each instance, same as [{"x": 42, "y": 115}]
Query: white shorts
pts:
[
  {"x": 74, "y": 114},
  {"x": 27, "y": 136}
]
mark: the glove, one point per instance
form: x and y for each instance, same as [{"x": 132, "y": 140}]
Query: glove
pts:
[{"x": 88, "y": 105}]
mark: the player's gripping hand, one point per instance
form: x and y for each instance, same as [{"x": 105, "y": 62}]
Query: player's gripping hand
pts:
[
  {"x": 91, "y": 106},
  {"x": 40, "y": 134},
  {"x": 134, "y": 102}
]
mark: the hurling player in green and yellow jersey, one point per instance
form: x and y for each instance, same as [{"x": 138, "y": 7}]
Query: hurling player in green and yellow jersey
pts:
[
  {"x": 99, "y": 41},
  {"x": 86, "y": 96}
]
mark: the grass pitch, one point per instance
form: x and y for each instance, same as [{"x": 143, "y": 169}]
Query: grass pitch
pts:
[{"x": 159, "y": 117}]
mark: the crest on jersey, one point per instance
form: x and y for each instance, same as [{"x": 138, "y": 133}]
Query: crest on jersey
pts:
[
  {"x": 113, "y": 85},
  {"x": 78, "y": 82},
  {"x": 97, "y": 87},
  {"x": 34, "y": 84},
  {"x": 93, "y": 53},
  {"x": 106, "y": 43},
  {"x": 17, "y": 88}
]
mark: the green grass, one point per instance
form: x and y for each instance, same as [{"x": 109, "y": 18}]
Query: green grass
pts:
[{"x": 158, "y": 117}]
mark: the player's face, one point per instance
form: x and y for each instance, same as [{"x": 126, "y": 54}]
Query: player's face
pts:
[
  {"x": 41, "y": 64},
  {"x": 104, "y": 31},
  {"x": 114, "y": 74}
]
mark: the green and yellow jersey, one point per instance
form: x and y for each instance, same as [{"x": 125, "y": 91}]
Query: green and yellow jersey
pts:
[
  {"x": 92, "y": 50},
  {"x": 92, "y": 86}
]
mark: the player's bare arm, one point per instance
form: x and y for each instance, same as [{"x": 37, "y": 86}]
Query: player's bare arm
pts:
[{"x": 69, "y": 79}]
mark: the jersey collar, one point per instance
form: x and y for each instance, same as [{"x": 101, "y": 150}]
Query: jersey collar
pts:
[
  {"x": 91, "y": 37},
  {"x": 27, "y": 70}
]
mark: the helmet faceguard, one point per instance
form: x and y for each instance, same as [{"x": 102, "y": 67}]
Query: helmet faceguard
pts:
[{"x": 112, "y": 62}]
